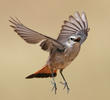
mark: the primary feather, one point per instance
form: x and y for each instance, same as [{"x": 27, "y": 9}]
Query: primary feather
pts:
[
  {"x": 31, "y": 36},
  {"x": 77, "y": 25}
]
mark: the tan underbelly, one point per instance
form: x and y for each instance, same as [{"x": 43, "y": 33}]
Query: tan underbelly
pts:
[{"x": 60, "y": 62}]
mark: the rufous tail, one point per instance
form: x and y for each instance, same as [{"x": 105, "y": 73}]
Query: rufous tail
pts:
[{"x": 43, "y": 73}]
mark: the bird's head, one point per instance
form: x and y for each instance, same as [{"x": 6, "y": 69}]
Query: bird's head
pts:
[{"x": 72, "y": 40}]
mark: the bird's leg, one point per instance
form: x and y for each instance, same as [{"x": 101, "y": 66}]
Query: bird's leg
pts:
[
  {"x": 53, "y": 83},
  {"x": 65, "y": 82}
]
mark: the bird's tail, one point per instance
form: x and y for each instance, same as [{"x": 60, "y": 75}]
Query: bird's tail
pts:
[{"x": 43, "y": 73}]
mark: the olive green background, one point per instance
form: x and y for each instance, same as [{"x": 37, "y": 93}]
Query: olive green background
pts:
[{"x": 89, "y": 74}]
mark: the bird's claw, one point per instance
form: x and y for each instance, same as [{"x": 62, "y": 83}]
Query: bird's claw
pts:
[
  {"x": 65, "y": 86},
  {"x": 54, "y": 87}
]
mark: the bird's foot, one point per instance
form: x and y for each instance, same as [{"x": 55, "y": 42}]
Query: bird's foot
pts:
[
  {"x": 65, "y": 86},
  {"x": 54, "y": 88}
]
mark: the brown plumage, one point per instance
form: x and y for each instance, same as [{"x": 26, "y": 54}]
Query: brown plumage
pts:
[{"x": 63, "y": 50}]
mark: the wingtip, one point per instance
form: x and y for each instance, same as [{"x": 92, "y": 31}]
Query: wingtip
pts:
[
  {"x": 12, "y": 26},
  {"x": 76, "y": 14},
  {"x": 14, "y": 20},
  {"x": 84, "y": 18}
]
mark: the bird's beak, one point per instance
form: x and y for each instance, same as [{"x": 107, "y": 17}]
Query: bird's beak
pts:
[{"x": 77, "y": 39}]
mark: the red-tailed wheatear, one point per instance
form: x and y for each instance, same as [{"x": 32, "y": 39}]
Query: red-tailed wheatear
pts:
[{"x": 62, "y": 51}]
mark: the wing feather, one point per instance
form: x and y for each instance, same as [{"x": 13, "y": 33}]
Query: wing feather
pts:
[
  {"x": 76, "y": 24},
  {"x": 73, "y": 20},
  {"x": 79, "y": 19},
  {"x": 31, "y": 36},
  {"x": 84, "y": 18}
]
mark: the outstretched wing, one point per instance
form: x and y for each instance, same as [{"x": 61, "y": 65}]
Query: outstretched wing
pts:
[
  {"x": 31, "y": 36},
  {"x": 76, "y": 25}
]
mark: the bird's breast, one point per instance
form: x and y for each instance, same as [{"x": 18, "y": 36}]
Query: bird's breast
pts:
[{"x": 60, "y": 60}]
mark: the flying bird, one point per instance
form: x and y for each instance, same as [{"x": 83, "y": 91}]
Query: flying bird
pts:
[{"x": 62, "y": 51}]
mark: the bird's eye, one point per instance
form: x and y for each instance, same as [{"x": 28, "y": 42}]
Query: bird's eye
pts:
[{"x": 72, "y": 39}]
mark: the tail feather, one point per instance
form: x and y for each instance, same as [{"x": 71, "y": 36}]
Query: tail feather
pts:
[{"x": 43, "y": 73}]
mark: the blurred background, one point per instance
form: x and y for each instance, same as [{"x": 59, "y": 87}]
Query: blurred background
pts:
[{"x": 89, "y": 74}]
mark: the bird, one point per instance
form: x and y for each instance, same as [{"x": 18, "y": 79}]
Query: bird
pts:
[{"x": 62, "y": 51}]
